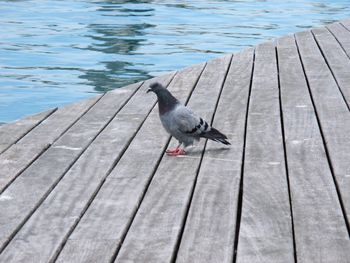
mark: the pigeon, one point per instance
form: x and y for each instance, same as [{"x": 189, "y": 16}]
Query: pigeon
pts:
[{"x": 181, "y": 122}]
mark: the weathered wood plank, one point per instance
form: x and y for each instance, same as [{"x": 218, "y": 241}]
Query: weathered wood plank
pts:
[
  {"x": 66, "y": 196},
  {"x": 23, "y": 196},
  {"x": 210, "y": 227},
  {"x": 32, "y": 145},
  {"x": 346, "y": 24},
  {"x": 332, "y": 112},
  {"x": 155, "y": 230},
  {"x": 105, "y": 223},
  {"x": 336, "y": 58},
  {"x": 10, "y": 133},
  {"x": 41, "y": 237},
  {"x": 314, "y": 196},
  {"x": 265, "y": 230},
  {"x": 342, "y": 35}
]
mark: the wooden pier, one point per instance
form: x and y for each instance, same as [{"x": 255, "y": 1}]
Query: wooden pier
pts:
[{"x": 90, "y": 182}]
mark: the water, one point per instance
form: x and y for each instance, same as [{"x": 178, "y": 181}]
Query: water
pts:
[{"x": 57, "y": 52}]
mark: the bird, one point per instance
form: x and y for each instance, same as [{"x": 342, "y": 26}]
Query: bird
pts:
[{"x": 181, "y": 122}]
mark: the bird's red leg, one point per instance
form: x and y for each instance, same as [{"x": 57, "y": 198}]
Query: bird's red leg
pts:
[
  {"x": 175, "y": 152},
  {"x": 172, "y": 150}
]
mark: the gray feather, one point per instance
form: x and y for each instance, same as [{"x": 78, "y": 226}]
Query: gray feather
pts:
[{"x": 181, "y": 122}]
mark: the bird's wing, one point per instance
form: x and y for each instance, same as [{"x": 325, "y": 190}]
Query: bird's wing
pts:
[{"x": 188, "y": 122}]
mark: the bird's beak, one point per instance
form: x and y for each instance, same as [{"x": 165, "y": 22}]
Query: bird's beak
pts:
[{"x": 148, "y": 90}]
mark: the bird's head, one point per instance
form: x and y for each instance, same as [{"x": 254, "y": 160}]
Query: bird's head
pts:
[
  {"x": 155, "y": 87},
  {"x": 166, "y": 101}
]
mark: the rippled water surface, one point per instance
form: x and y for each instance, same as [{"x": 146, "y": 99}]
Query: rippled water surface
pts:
[{"x": 56, "y": 52}]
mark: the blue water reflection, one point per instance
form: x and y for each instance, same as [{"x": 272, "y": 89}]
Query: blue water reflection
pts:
[{"x": 54, "y": 52}]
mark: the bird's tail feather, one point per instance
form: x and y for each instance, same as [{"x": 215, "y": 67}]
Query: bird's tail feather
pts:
[{"x": 217, "y": 136}]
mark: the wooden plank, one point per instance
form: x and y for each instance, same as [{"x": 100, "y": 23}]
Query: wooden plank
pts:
[
  {"x": 342, "y": 35},
  {"x": 42, "y": 236},
  {"x": 107, "y": 219},
  {"x": 11, "y": 133},
  {"x": 332, "y": 112},
  {"x": 155, "y": 230},
  {"x": 265, "y": 231},
  {"x": 208, "y": 237},
  {"x": 346, "y": 24},
  {"x": 32, "y": 145},
  {"x": 26, "y": 193},
  {"x": 314, "y": 196},
  {"x": 336, "y": 58}
]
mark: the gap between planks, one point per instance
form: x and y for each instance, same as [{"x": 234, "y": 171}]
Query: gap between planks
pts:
[
  {"x": 98, "y": 188},
  {"x": 121, "y": 224},
  {"x": 52, "y": 187},
  {"x": 115, "y": 254},
  {"x": 323, "y": 140},
  {"x": 50, "y": 112},
  {"x": 44, "y": 147},
  {"x": 176, "y": 192},
  {"x": 174, "y": 256},
  {"x": 330, "y": 68},
  {"x": 285, "y": 152},
  {"x": 240, "y": 194}
]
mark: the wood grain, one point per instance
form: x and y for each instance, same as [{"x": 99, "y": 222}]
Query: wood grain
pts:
[
  {"x": 11, "y": 133},
  {"x": 211, "y": 223},
  {"x": 314, "y": 196},
  {"x": 342, "y": 35},
  {"x": 157, "y": 225},
  {"x": 346, "y": 23},
  {"x": 265, "y": 230},
  {"x": 90, "y": 182},
  {"x": 332, "y": 112},
  {"x": 41, "y": 237},
  {"x": 23, "y": 195},
  {"x": 336, "y": 58},
  {"x": 18, "y": 157},
  {"x": 105, "y": 223}
]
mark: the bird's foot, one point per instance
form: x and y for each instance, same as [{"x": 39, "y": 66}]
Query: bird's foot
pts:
[
  {"x": 172, "y": 150},
  {"x": 175, "y": 152}
]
